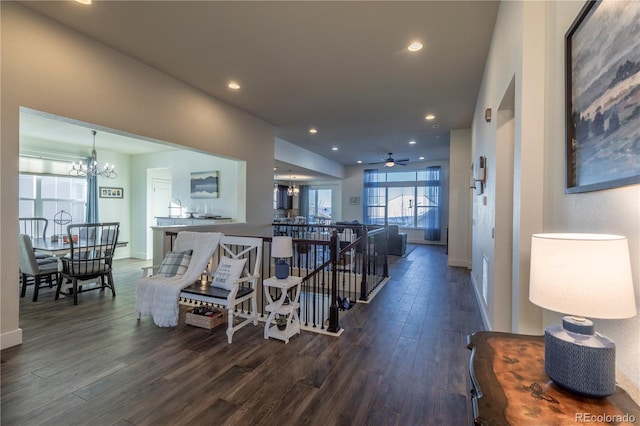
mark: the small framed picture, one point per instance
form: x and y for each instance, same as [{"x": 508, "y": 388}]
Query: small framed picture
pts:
[
  {"x": 111, "y": 192},
  {"x": 354, "y": 201}
]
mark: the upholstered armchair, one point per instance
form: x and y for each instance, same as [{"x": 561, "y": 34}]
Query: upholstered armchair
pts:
[{"x": 30, "y": 266}]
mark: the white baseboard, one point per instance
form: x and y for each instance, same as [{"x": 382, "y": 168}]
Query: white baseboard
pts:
[
  {"x": 460, "y": 263},
  {"x": 12, "y": 338},
  {"x": 425, "y": 242},
  {"x": 483, "y": 309},
  {"x": 139, "y": 255}
]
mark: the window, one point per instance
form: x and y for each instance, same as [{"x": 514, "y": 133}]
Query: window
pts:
[
  {"x": 319, "y": 205},
  {"x": 409, "y": 199},
  {"x": 45, "y": 195}
]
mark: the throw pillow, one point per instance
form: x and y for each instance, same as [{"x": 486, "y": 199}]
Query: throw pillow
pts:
[
  {"x": 175, "y": 263},
  {"x": 228, "y": 272}
]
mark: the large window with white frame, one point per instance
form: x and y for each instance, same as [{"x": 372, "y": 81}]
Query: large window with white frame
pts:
[
  {"x": 411, "y": 198},
  {"x": 319, "y": 205},
  {"x": 46, "y": 195}
]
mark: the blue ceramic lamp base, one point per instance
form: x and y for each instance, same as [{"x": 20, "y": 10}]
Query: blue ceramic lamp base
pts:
[
  {"x": 580, "y": 360},
  {"x": 282, "y": 269}
]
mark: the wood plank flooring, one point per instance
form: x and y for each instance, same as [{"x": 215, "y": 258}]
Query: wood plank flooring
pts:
[{"x": 402, "y": 360}]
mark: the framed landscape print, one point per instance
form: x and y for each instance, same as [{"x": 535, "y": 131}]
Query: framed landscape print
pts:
[
  {"x": 204, "y": 185},
  {"x": 603, "y": 97}
]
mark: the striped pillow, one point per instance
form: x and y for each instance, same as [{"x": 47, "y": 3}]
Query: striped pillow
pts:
[{"x": 175, "y": 263}]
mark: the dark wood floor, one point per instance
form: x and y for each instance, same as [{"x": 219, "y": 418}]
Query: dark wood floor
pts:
[{"x": 401, "y": 361}]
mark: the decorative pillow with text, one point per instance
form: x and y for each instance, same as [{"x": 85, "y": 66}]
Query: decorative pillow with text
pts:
[{"x": 229, "y": 270}]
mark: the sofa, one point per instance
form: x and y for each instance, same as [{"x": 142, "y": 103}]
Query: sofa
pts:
[{"x": 397, "y": 242}]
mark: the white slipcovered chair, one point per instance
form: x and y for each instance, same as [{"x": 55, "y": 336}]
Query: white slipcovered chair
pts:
[{"x": 158, "y": 295}]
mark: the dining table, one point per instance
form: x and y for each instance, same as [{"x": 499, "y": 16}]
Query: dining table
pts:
[{"x": 59, "y": 247}]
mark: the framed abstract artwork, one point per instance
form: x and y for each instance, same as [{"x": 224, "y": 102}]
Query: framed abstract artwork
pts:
[{"x": 602, "y": 59}]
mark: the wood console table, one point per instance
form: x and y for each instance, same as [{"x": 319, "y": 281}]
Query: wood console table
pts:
[{"x": 509, "y": 387}]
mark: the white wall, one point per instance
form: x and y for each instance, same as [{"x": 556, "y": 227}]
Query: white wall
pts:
[
  {"x": 352, "y": 185},
  {"x": 293, "y": 154},
  {"x": 47, "y": 67},
  {"x": 518, "y": 40},
  {"x": 181, "y": 163},
  {"x": 528, "y": 48},
  {"x": 460, "y": 198}
]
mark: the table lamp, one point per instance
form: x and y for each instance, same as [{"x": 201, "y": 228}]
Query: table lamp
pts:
[
  {"x": 583, "y": 275},
  {"x": 281, "y": 247}
]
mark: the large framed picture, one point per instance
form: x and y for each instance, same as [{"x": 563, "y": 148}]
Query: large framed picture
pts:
[
  {"x": 204, "y": 185},
  {"x": 110, "y": 192},
  {"x": 603, "y": 97}
]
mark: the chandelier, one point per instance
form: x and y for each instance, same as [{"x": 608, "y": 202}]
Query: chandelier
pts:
[
  {"x": 292, "y": 189},
  {"x": 92, "y": 169}
]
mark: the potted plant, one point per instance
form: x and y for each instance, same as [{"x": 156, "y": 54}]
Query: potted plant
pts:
[{"x": 281, "y": 321}]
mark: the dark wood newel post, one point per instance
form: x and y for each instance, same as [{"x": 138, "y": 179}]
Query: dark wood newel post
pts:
[
  {"x": 365, "y": 262},
  {"x": 385, "y": 250},
  {"x": 334, "y": 327}
]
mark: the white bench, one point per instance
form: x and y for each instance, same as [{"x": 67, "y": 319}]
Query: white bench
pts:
[{"x": 243, "y": 288}]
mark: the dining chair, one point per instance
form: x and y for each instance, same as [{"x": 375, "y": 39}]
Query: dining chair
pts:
[
  {"x": 92, "y": 246},
  {"x": 34, "y": 227},
  {"x": 31, "y": 267}
]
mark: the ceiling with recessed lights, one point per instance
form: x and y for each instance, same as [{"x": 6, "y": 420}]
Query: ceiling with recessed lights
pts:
[{"x": 343, "y": 69}]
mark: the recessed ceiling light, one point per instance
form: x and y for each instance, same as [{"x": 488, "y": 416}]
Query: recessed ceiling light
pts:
[
  {"x": 414, "y": 46},
  {"x": 435, "y": 126},
  {"x": 313, "y": 130},
  {"x": 421, "y": 158},
  {"x": 359, "y": 161},
  {"x": 233, "y": 85},
  {"x": 412, "y": 142},
  {"x": 430, "y": 117},
  {"x": 83, "y": 1},
  {"x": 335, "y": 148}
]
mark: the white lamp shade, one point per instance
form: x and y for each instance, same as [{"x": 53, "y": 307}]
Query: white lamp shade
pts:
[
  {"x": 281, "y": 247},
  {"x": 586, "y": 275}
]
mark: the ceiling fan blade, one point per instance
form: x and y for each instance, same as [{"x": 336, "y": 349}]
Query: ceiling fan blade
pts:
[
  {"x": 401, "y": 164},
  {"x": 403, "y": 160}
]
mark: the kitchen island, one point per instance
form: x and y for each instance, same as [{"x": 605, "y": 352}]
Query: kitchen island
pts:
[{"x": 197, "y": 221}]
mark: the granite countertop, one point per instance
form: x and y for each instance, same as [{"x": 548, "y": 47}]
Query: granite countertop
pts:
[{"x": 194, "y": 217}]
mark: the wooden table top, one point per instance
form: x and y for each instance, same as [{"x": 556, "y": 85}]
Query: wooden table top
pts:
[{"x": 515, "y": 390}]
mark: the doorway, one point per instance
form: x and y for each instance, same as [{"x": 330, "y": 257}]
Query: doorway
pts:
[{"x": 160, "y": 194}]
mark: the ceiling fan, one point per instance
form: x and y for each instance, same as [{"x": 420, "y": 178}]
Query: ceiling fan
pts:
[{"x": 390, "y": 162}]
